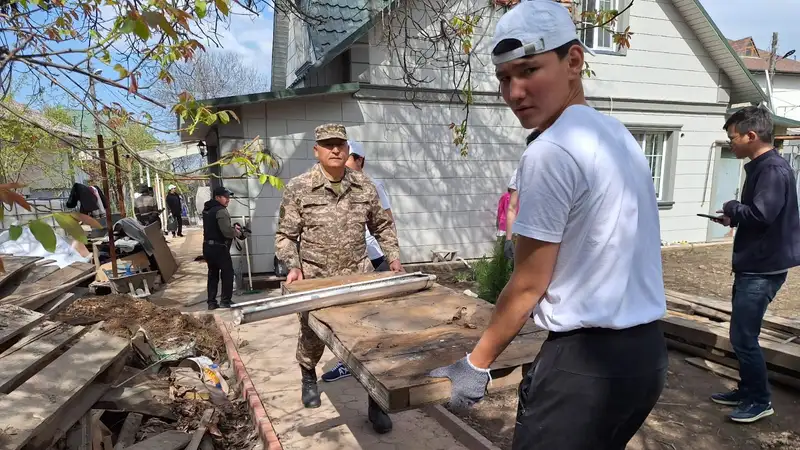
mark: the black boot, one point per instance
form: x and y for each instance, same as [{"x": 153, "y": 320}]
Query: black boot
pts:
[
  {"x": 212, "y": 305},
  {"x": 310, "y": 393},
  {"x": 381, "y": 422}
]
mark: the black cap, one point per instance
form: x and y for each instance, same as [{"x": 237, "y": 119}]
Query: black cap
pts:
[
  {"x": 222, "y": 191},
  {"x": 144, "y": 189}
]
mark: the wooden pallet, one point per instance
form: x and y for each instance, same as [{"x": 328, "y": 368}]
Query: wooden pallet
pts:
[
  {"x": 49, "y": 286},
  {"x": 701, "y": 327},
  {"x": 391, "y": 345},
  {"x": 51, "y": 376}
]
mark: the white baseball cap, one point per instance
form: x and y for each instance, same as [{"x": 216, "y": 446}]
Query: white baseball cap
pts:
[
  {"x": 540, "y": 25},
  {"x": 356, "y": 149}
]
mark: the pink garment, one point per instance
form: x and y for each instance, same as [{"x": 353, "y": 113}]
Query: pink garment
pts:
[{"x": 502, "y": 210}]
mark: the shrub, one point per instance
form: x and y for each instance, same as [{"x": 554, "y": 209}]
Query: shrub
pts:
[{"x": 492, "y": 274}]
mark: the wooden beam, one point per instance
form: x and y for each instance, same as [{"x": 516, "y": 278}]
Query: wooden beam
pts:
[
  {"x": 776, "y": 377},
  {"x": 145, "y": 398},
  {"x": 783, "y": 355},
  {"x": 33, "y": 352},
  {"x": 198, "y": 434},
  {"x": 771, "y": 321},
  {"x": 32, "y": 408}
]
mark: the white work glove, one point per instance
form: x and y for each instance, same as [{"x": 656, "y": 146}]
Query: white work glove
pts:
[{"x": 468, "y": 382}]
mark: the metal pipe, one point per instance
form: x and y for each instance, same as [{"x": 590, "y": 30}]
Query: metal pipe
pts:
[{"x": 363, "y": 291}]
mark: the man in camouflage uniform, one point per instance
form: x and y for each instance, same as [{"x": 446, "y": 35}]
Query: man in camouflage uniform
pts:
[{"x": 321, "y": 234}]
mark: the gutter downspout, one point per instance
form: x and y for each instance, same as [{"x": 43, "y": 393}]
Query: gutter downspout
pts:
[{"x": 711, "y": 154}]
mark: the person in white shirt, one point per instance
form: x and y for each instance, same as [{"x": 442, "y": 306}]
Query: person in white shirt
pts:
[
  {"x": 587, "y": 263},
  {"x": 356, "y": 162}
]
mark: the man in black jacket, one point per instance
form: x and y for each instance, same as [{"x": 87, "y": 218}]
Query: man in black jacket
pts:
[
  {"x": 766, "y": 246},
  {"x": 218, "y": 235},
  {"x": 174, "y": 207}
]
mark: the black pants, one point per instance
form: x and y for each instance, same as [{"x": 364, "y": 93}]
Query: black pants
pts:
[
  {"x": 380, "y": 264},
  {"x": 591, "y": 389},
  {"x": 220, "y": 266},
  {"x": 178, "y": 220}
]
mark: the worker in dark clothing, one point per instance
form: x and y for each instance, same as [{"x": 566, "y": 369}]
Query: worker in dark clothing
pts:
[
  {"x": 217, "y": 237},
  {"x": 174, "y": 207},
  {"x": 146, "y": 208}
]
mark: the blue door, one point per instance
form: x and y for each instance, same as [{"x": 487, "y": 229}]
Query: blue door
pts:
[{"x": 726, "y": 179}]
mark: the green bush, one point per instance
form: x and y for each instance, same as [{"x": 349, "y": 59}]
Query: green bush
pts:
[{"x": 492, "y": 274}]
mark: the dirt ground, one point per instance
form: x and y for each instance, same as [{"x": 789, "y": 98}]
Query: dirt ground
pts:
[
  {"x": 166, "y": 327},
  {"x": 706, "y": 270},
  {"x": 684, "y": 418}
]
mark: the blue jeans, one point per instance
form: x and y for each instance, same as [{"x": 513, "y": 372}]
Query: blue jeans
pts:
[{"x": 751, "y": 295}]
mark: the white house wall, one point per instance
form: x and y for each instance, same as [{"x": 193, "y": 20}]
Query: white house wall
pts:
[
  {"x": 666, "y": 61},
  {"x": 786, "y": 93},
  {"x": 440, "y": 200}
]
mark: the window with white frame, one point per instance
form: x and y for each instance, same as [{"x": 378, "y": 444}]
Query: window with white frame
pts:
[
  {"x": 595, "y": 37},
  {"x": 654, "y": 145}
]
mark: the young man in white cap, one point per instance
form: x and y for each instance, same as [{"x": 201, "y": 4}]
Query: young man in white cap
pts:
[
  {"x": 587, "y": 261},
  {"x": 356, "y": 162}
]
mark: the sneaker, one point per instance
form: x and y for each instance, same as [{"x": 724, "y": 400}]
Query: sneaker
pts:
[
  {"x": 751, "y": 412},
  {"x": 732, "y": 398},
  {"x": 338, "y": 372},
  {"x": 226, "y": 305},
  {"x": 213, "y": 306}
]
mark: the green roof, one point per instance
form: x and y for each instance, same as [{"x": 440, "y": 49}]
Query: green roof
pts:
[{"x": 345, "y": 88}]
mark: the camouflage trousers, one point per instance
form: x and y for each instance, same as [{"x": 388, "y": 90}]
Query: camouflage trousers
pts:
[{"x": 309, "y": 346}]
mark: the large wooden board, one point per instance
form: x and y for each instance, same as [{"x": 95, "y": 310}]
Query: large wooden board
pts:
[
  {"x": 391, "y": 345},
  {"x": 714, "y": 336},
  {"x": 40, "y": 402},
  {"x": 52, "y": 285},
  {"x": 15, "y": 265},
  {"x": 167, "y": 264},
  {"x": 37, "y": 349},
  {"x": 15, "y": 321},
  {"x": 791, "y": 326}
]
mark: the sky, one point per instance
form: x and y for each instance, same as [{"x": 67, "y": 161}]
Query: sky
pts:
[{"x": 758, "y": 18}]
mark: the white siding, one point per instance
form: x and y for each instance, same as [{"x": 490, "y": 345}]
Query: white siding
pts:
[
  {"x": 665, "y": 62},
  {"x": 298, "y": 49},
  {"x": 786, "y": 94},
  {"x": 441, "y": 200}
]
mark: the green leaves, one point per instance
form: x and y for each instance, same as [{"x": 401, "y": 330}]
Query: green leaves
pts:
[
  {"x": 201, "y": 8},
  {"x": 141, "y": 29},
  {"x": 263, "y": 178},
  {"x": 222, "y": 6},
  {"x": 224, "y": 117},
  {"x": 71, "y": 226},
  {"x": 122, "y": 71},
  {"x": 44, "y": 234},
  {"x": 15, "y": 232}
]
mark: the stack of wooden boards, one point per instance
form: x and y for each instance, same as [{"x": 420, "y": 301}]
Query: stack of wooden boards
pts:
[
  {"x": 51, "y": 374},
  {"x": 33, "y": 282},
  {"x": 700, "y": 326}
]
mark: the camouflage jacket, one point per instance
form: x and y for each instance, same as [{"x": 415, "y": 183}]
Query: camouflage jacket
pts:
[{"x": 329, "y": 228}]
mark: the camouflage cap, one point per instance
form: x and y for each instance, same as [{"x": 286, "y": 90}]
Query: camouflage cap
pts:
[{"x": 330, "y": 131}]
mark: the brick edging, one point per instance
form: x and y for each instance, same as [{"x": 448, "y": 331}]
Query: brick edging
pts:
[{"x": 257, "y": 412}]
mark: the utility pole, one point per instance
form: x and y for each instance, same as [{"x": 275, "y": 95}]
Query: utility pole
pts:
[{"x": 773, "y": 60}]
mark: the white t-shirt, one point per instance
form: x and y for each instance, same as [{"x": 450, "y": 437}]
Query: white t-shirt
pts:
[
  {"x": 512, "y": 183},
  {"x": 585, "y": 183},
  {"x": 373, "y": 249}
]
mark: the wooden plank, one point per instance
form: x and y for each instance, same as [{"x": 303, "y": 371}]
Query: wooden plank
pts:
[
  {"x": 198, "y": 434},
  {"x": 79, "y": 437},
  {"x": 38, "y": 403},
  {"x": 783, "y": 355},
  {"x": 147, "y": 398},
  {"x": 778, "y": 323},
  {"x": 776, "y": 377},
  {"x": 168, "y": 440},
  {"x": 127, "y": 435},
  {"x": 63, "y": 422},
  {"x": 33, "y": 352},
  {"x": 16, "y": 265},
  {"x": 391, "y": 345},
  {"x": 167, "y": 264},
  {"x": 717, "y": 369},
  {"x": 36, "y": 294},
  {"x": 58, "y": 304},
  {"x": 16, "y": 321}
]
